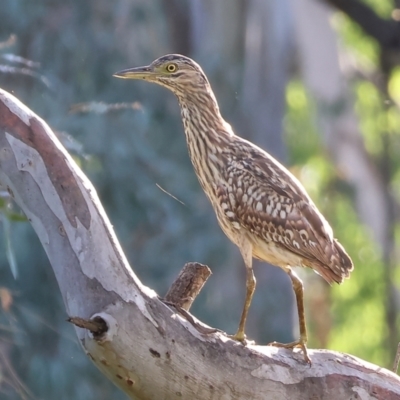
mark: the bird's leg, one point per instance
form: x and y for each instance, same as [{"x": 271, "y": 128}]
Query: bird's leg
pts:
[
  {"x": 250, "y": 288},
  {"x": 246, "y": 250},
  {"x": 302, "y": 342}
]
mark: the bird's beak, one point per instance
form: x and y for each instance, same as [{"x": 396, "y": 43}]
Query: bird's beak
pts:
[{"x": 135, "y": 73}]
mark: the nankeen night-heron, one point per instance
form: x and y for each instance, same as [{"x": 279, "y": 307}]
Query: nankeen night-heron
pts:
[{"x": 259, "y": 204}]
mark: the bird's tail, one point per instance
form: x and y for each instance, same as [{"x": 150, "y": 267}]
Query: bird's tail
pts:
[
  {"x": 339, "y": 267},
  {"x": 345, "y": 261}
]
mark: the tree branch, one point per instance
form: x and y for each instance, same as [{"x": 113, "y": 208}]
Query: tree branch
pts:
[
  {"x": 96, "y": 326},
  {"x": 187, "y": 285},
  {"x": 147, "y": 349}
]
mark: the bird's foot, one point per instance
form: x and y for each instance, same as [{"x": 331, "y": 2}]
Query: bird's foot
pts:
[
  {"x": 241, "y": 337},
  {"x": 297, "y": 343}
]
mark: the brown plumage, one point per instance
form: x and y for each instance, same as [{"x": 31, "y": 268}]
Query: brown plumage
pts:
[{"x": 259, "y": 204}]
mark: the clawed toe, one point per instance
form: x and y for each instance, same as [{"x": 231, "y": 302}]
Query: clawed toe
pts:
[
  {"x": 292, "y": 345},
  {"x": 241, "y": 338},
  {"x": 238, "y": 337}
]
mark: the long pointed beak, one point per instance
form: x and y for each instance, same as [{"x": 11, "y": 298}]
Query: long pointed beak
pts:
[{"x": 135, "y": 73}]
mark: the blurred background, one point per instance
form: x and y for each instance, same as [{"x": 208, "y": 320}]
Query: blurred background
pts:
[{"x": 314, "y": 82}]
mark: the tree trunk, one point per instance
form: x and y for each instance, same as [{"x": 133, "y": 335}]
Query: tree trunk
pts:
[{"x": 146, "y": 348}]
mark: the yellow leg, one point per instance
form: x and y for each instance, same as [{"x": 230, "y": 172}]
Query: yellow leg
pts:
[
  {"x": 302, "y": 342},
  {"x": 250, "y": 288},
  {"x": 246, "y": 250}
]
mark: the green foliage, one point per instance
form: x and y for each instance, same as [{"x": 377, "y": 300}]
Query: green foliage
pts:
[
  {"x": 383, "y": 8},
  {"x": 364, "y": 50},
  {"x": 359, "y": 304}
]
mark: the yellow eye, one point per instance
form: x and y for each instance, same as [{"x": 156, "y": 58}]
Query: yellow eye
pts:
[{"x": 172, "y": 67}]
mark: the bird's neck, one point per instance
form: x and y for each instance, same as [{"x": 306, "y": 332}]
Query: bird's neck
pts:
[
  {"x": 207, "y": 133},
  {"x": 201, "y": 117}
]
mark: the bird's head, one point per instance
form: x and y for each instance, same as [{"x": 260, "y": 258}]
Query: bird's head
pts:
[{"x": 176, "y": 72}]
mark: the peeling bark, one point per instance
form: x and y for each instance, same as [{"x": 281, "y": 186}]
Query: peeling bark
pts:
[{"x": 149, "y": 350}]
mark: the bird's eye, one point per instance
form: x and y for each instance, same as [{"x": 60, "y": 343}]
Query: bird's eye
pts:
[{"x": 172, "y": 67}]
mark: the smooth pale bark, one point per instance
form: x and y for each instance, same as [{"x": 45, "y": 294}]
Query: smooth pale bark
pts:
[{"x": 149, "y": 351}]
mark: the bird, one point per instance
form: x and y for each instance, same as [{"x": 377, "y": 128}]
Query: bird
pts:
[{"x": 259, "y": 204}]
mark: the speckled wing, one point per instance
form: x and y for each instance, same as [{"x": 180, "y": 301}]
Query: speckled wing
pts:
[{"x": 269, "y": 202}]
